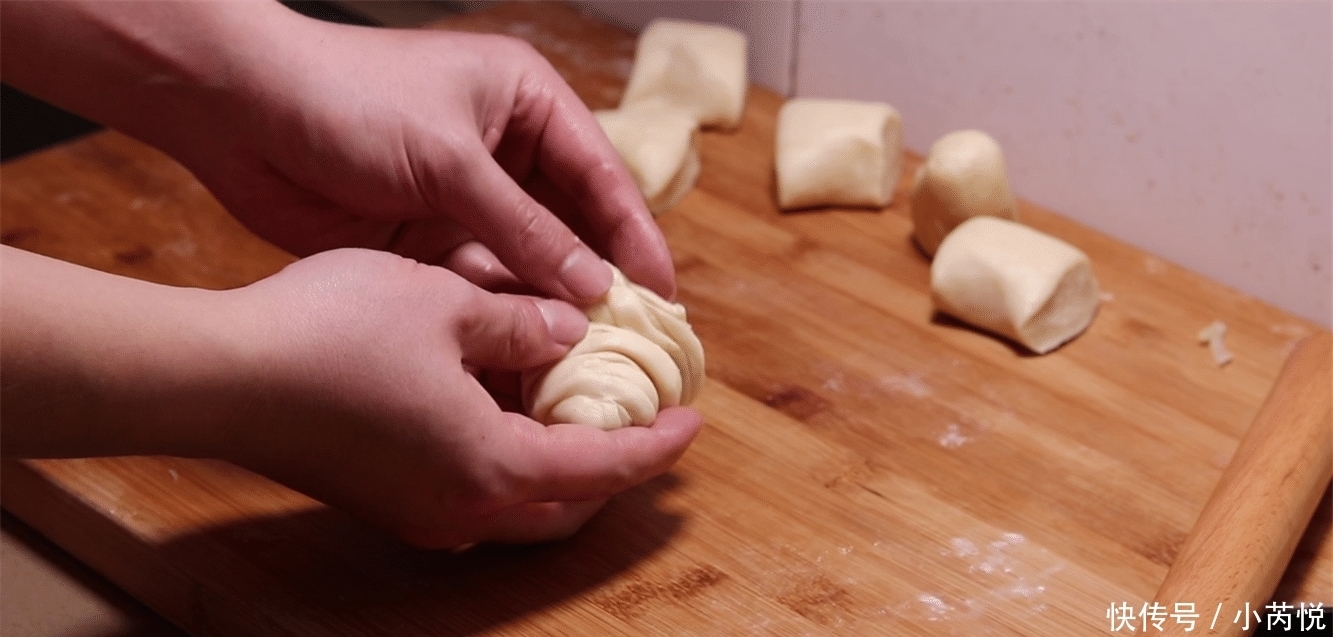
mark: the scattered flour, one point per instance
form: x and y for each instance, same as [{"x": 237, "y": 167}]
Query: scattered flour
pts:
[
  {"x": 912, "y": 384},
  {"x": 953, "y": 437}
]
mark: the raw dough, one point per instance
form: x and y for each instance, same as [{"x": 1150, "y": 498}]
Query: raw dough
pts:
[
  {"x": 610, "y": 379},
  {"x": 638, "y": 357},
  {"x": 1215, "y": 336},
  {"x": 660, "y": 146},
  {"x": 692, "y": 65},
  {"x": 838, "y": 153},
  {"x": 1009, "y": 279},
  {"x": 963, "y": 177}
]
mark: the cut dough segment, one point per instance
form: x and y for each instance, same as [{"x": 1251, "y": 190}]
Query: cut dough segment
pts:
[
  {"x": 660, "y": 146},
  {"x": 838, "y": 153},
  {"x": 1009, "y": 279},
  {"x": 639, "y": 356},
  {"x": 692, "y": 65},
  {"x": 963, "y": 177}
]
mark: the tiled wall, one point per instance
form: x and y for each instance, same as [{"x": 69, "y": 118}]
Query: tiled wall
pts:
[{"x": 1198, "y": 131}]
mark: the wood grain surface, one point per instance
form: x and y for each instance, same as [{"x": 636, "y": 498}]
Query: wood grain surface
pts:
[
  {"x": 867, "y": 466},
  {"x": 1248, "y": 530}
]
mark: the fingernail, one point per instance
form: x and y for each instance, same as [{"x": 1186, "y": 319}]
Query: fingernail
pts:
[
  {"x": 565, "y": 322},
  {"x": 584, "y": 274}
]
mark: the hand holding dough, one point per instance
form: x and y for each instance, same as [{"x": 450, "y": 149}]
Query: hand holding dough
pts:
[
  {"x": 837, "y": 152},
  {"x": 638, "y": 357},
  {"x": 610, "y": 379},
  {"x": 659, "y": 145},
  {"x": 695, "y": 66},
  {"x": 1009, "y": 279},
  {"x": 963, "y": 177}
]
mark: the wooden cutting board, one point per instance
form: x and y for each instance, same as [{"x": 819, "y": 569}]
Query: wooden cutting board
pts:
[{"x": 867, "y": 466}]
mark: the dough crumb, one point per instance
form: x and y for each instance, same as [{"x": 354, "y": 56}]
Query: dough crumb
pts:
[{"x": 1214, "y": 336}]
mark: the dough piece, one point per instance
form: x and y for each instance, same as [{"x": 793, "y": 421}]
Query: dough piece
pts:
[
  {"x": 638, "y": 357},
  {"x": 963, "y": 177},
  {"x": 610, "y": 379},
  {"x": 838, "y": 153},
  {"x": 1009, "y": 279},
  {"x": 692, "y": 65},
  {"x": 660, "y": 146}
]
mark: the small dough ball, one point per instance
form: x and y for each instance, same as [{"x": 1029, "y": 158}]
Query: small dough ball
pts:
[
  {"x": 660, "y": 146},
  {"x": 692, "y": 65},
  {"x": 838, "y": 153},
  {"x": 963, "y": 177},
  {"x": 1009, "y": 279}
]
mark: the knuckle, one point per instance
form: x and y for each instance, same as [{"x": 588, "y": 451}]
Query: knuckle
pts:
[
  {"x": 501, "y": 486},
  {"x": 516, "y": 47},
  {"x": 469, "y": 322},
  {"x": 524, "y": 48},
  {"x": 539, "y": 237},
  {"x": 529, "y": 336}
]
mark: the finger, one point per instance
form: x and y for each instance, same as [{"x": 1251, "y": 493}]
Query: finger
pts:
[
  {"x": 505, "y": 386},
  {"x": 574, "y": 152},
  {"x": 641, "y": 265},
  {"x": 526, "y": 237},
  {"x": 578, "y": 462},
  {"x": 540, "y": 521},
  {"x": 429, "y": 241},
  {"x": 476, "y": 263},
  {"x": 539, "y": 186},
  {"x": 516, "y": 332}
]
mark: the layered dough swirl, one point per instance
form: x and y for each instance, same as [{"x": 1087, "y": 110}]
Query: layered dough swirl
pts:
[{"x": 639, "y": 356}]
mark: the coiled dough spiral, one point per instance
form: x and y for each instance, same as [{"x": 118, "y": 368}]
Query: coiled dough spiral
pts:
[{"x": 639, "y": 356}]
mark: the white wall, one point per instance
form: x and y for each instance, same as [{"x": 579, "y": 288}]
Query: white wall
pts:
[{"x": 1198, "y": 131}]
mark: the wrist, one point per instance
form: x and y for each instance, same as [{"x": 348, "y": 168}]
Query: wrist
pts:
[
  {"x": 98, "y": 365},
  {"x": 165, "y": 72},
  {"x": 187, "y": 379}
]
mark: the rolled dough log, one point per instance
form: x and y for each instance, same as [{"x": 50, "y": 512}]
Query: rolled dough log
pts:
[
  {"x": 611, "y": 379},
  {"x": 963, "y": 177},
  {"x": 660, "y": 146},
  {"x": 639, "y": 356},
  {"x": 1007, "y": 278},
  {"x": 837, "y": 153},
  {"x": 692, "y": 65}
]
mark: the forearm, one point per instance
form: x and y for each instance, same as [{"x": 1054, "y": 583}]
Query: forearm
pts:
[
  {"x": 156, "y": 70},
  {"x": 94, "y": 364}
]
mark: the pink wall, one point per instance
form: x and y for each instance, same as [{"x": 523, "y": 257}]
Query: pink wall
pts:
[{"x": 1197, "y": 131}]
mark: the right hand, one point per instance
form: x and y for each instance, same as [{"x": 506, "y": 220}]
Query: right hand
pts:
[{"x": 359, "y": 359}]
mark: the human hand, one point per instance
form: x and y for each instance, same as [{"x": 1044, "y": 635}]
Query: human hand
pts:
[
  {"x": 422, "y": 142},
  {"x": 360, "y": 356},
  {"x": 450, "y": 148}
]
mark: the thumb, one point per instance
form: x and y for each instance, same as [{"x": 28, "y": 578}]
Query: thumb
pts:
[{"x": 506, "y": 331}]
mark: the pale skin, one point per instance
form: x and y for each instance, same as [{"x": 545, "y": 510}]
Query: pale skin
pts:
[{"x": 350, "y": 374}]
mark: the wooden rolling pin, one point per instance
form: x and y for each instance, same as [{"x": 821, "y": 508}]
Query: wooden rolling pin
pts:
[{"x": 1244, "y": 538}]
